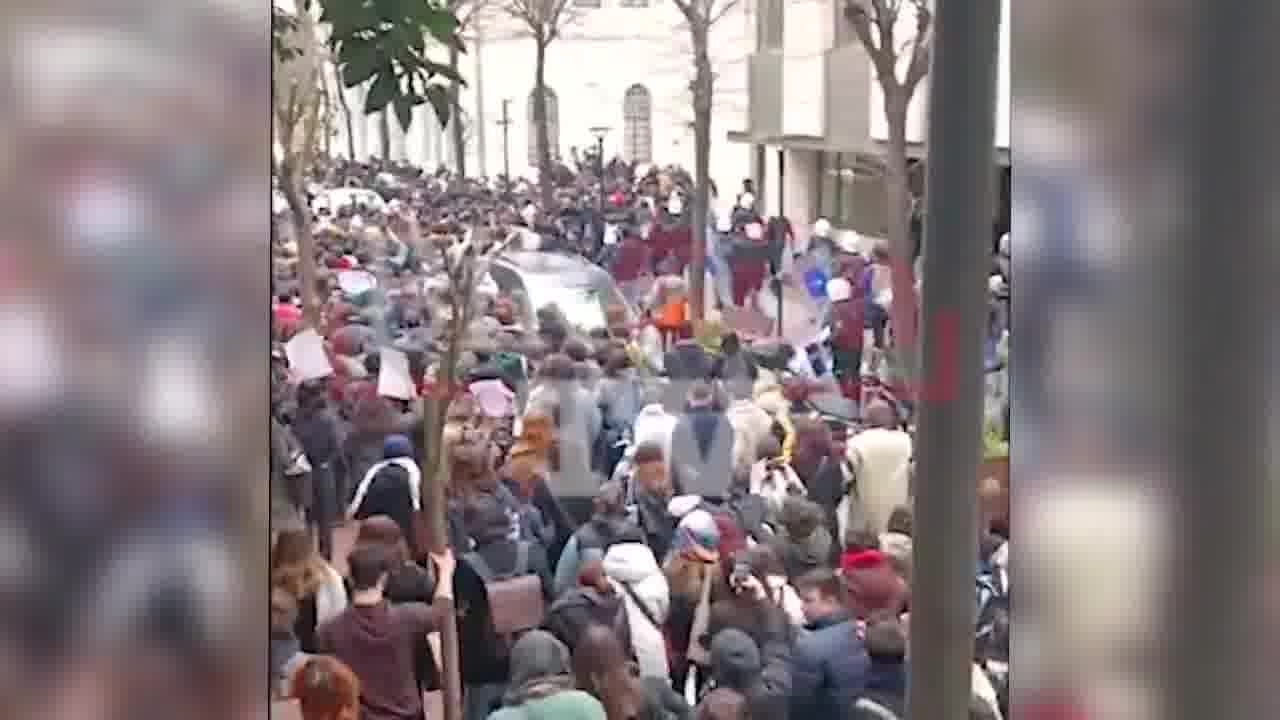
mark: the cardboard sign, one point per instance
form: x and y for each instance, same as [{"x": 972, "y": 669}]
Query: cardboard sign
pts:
[
  {"x": 394, "y": 378},
  {"x": 307, "y": 358}
]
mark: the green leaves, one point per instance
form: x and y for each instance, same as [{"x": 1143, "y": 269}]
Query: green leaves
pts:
[{"x": 384, "y": 43}]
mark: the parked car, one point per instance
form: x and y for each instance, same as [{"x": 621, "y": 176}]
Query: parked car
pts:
[{"x": 581, "y": 290}]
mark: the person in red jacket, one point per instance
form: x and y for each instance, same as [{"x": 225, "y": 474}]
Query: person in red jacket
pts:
[{"x": 847, "y": 311}]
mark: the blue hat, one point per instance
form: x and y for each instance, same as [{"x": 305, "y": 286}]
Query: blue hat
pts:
[{"x": 395, "y": 446}]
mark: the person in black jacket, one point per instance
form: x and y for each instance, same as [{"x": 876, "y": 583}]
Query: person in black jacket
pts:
[{"x": 316, "y": 428}]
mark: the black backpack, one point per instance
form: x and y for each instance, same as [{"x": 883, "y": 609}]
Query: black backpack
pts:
[{"x": 577, "y": 608}]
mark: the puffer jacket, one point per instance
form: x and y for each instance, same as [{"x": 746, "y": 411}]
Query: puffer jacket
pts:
[
  {"x": 635, "y": 575},
  {"x": 829, "y": 669}
]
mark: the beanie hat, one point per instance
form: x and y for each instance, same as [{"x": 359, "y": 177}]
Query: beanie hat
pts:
[
  {"x": 871, "y": 583},
  {"x": 396, "y": 446},
  {"x": 735, "y": 659},
  {"x": 698, "y": 534}
]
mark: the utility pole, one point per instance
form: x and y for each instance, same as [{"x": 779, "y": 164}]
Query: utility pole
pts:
[
  {"x": 505, "y": 122},
  {"x": 962, "y": 103},
  {"x": 481, "y": 156}
]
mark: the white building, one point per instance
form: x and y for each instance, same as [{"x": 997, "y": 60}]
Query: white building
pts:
[
  {"x": 815, "y": 116},
  {"x": 624, "y": 64}
]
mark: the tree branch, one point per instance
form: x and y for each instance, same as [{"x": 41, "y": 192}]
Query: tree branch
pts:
[{"x": 922, "y": 48}]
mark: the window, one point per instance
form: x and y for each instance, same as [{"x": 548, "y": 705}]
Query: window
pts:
[
  {"x": 553, "y": 126},
  {"x": 637, "y": 125},
  {"x": 844, "y": 31},
  {"x": 769, "y": 18}
]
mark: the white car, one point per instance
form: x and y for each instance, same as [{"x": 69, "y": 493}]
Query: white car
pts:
[{"x": 333, "y": 200}]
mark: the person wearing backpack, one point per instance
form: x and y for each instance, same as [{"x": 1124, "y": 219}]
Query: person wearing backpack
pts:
[
  {"x": 608, "y": 523},
  {"x": 516, "y": 589}
]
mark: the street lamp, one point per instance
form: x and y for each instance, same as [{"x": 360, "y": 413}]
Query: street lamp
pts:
[{"x": 598, "y": 132}]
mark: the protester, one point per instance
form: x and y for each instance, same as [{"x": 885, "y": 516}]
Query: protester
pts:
[
  {"x": 314, "y": 587},
  {"x": 693, "y": 576},
  {"x": 326, "y": 689},
  {"x": 829, "y": 665},
  {"x": 879, "y": 455},
  {"x": 702, "y": 441},
  {"x": 634, "y": 574},
  {"x": 542, "y": 685},
  {"x": 757, "y": 674},
  {"x": 376, "y": 639},
  {"x": 602, "y": 668},
  {"x": 885, "y": 695},
  {"x": 609, "y": 524}
]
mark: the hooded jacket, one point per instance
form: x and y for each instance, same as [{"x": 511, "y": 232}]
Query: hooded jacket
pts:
[
  {"x": 541, "y": 684},
  {"x": 703, "y": 441},
  {"x": 634, "y": 573}
]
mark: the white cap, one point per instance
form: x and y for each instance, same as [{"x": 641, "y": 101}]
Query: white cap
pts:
[
  {"x": 839, "y": 289},
  {"x": 822, "y": 228}
]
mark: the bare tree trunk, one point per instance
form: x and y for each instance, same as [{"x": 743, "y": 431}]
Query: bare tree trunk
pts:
[
  {"x": 384, "y": 134},
  {"x": 542, "y": 132},
  {"x": 902, "y": 312},
  {"x": 301, "y": 216},
  {"x": 702, "y": 95},
  {"x": 347, "y": 119},
  {"x": 455, "y": 119}
]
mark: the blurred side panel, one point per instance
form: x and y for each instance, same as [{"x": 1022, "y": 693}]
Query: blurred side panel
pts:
[
  {"x": 1143, "y": 232},
  {"x": 134, "y": 164}
]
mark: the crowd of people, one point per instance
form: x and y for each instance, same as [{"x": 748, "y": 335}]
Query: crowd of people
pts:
[{"x": 737, "y": 553}]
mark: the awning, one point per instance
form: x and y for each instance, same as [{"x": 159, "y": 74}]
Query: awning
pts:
[{"x": 915, "y": 151}]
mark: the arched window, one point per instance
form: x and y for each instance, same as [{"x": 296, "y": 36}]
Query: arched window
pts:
[
  {"x": 553, "y": 126},
  {"x": 637, "y": 125}
]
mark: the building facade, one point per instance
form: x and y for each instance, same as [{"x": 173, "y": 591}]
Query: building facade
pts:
[
  {"x": 815, "y": 119},
  {"x": 621, "y": 64}
]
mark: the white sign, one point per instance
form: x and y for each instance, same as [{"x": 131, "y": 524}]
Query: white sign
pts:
[
  {"x": 307, "y": 358},
  {"x": 394, "y": 378}
]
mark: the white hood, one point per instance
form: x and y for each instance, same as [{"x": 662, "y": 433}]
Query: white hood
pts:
[{"x": 633, "y": 565}]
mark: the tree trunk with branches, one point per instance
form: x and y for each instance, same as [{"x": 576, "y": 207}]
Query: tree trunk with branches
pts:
[
  {"x": 546, "y": 179},
  {"x": 348, "y": 120},
  {"x": 701, "y": 16},
  {"x": 543, "y": 20},
  {"x": 296, "y": 109},
  {"x": 899, "y": 64},
  {"x": 703, "y": 91}
]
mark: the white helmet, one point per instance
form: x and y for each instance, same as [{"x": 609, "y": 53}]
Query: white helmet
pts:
[
  {"x": 839, "y": 289},
  {"x": 822, "y": 228}
]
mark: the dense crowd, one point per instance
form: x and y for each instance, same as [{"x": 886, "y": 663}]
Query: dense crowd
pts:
[{"x": 646, "y": 520}]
